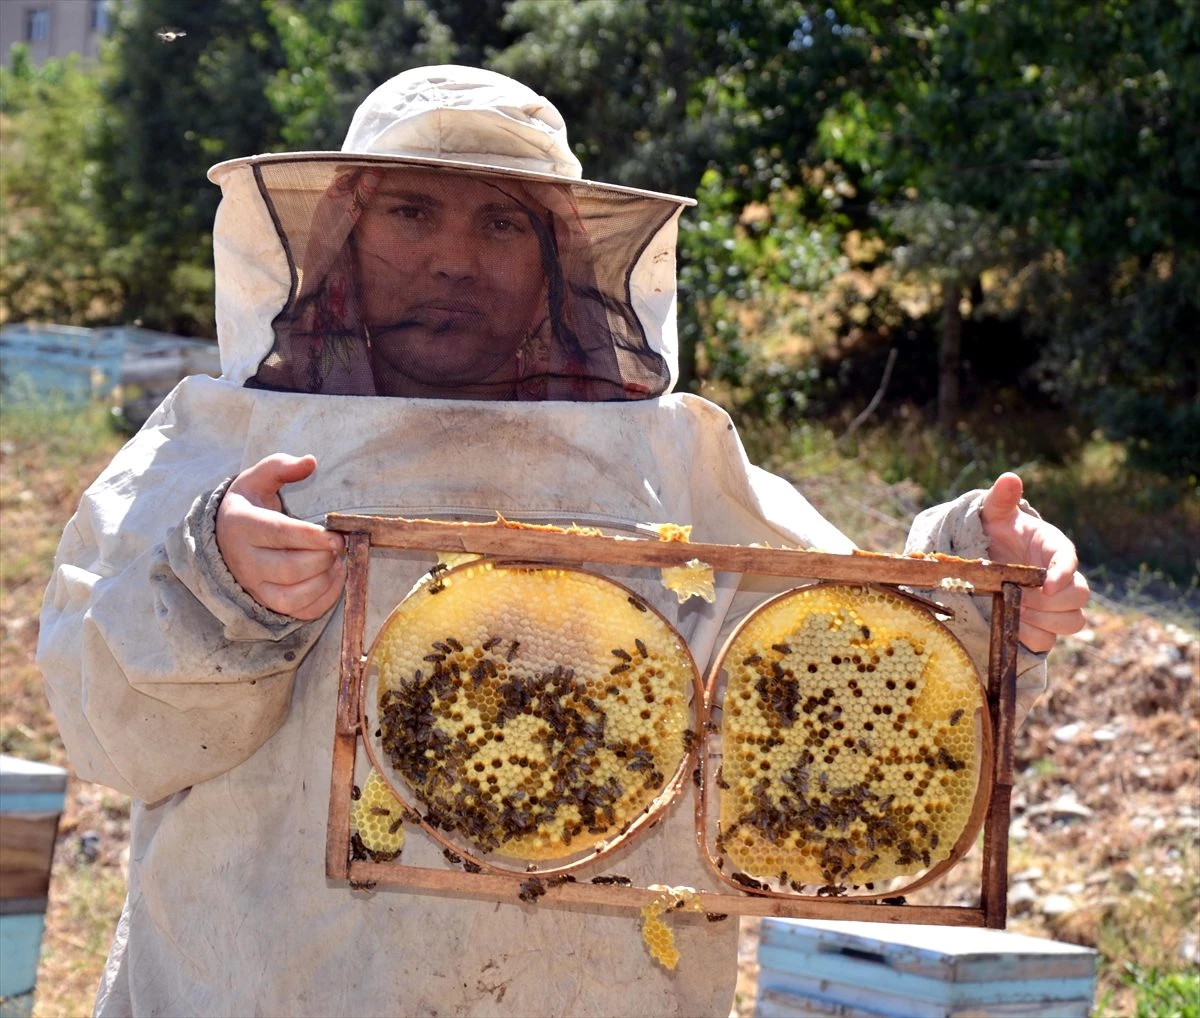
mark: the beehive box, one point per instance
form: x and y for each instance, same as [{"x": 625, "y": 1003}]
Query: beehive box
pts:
[
  {"x": 31, "y": 800},
  {"x": 819, "y": 968}
]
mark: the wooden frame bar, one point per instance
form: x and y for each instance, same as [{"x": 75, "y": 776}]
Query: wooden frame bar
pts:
[{"x": 550, "y": 545}]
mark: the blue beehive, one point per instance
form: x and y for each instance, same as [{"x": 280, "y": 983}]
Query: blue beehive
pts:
[
  {"x": 822, "y": 968},
  {"x": 31, "y": 801}
]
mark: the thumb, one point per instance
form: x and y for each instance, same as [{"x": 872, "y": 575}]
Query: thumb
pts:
[
  {"x": 1002, "y": 498},
  {"x": 261, "y": 482}
]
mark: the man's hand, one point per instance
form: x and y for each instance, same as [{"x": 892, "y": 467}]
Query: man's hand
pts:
[
  {"x": 1056, "y": 608},
  {"x": 290, "y": 566}
]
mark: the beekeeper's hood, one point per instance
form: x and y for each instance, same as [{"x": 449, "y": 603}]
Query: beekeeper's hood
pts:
[{"x": 451, "y": 248}]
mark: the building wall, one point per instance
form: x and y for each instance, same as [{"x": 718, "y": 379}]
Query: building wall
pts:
[{"x": 53, "y": 28}]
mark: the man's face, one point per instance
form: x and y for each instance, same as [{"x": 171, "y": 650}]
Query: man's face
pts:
[{"x": 451, "y": 281}]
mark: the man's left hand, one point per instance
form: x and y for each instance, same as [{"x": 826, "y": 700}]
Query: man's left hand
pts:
[{"x": 1056, "y": 608}]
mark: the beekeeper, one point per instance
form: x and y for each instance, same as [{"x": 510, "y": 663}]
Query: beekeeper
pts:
[{"x": 441, "y": 320}]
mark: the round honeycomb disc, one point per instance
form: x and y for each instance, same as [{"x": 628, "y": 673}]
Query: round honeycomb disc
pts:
[
  {"x": 853, "y": 728},
  {"x": 534, "y": 711}
]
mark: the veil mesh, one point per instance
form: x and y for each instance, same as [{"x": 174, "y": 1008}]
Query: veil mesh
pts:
[{"x": 426, "y": 281}]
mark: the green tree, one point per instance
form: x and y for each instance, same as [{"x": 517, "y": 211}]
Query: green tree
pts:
[
  {"x": 187, "y": 89},
  {"x": 54, "y": 263}
]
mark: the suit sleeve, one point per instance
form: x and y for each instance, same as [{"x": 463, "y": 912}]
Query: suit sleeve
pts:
[{"x": 161, "y": 671}]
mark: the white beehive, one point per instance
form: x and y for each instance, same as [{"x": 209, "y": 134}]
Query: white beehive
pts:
[{"x": 825, "y": 968}]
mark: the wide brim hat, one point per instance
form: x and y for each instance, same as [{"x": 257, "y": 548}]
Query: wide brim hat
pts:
[
  {"x": 615, "y": 242},
  {"x": 458, "y": 119}
]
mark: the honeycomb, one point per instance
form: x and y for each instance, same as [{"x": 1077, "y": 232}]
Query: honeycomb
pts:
[
  {"x": 851, "y": 730},
  {"x": 656, "y": 934},
  {"x": 535, "y": 711},
  {"x": 376, "y": 817},
  {"x": 692, "y": 579}
]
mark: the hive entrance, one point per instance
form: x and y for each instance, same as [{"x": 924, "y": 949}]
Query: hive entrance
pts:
[
  {"x": 962, "y": 749},
  {"x": 532, "y": 712}
]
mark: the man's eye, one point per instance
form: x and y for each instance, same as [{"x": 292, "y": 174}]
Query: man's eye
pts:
[
  {"x": 412, "y": 212},
  {"x": 506, "y": 226}
]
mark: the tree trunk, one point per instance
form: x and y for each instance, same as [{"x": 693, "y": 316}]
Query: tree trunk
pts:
[{"x": 950, "y": 357}]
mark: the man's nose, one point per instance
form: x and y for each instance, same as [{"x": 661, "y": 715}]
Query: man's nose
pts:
[{"x": 454, "y": 255}]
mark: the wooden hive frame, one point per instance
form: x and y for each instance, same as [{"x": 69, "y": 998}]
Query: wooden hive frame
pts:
[{"x": 499, "y": 540}]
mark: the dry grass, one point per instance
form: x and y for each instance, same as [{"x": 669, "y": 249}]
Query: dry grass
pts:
[{"x": 47, "y": 457}]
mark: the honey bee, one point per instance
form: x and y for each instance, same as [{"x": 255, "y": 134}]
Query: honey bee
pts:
[
  {"x": 531, "y": 890},
  {"x": 747, "y": 881},
  {"x": 622, "y": 654},
  {"x": 641, "y": 648},
  {"x": 715, "y": 917},
  {"x": 956, "y": 717},
  {"x": 355, "y": 792},
  {"x": 454, "y": 643},
  {"x": 637, "y": 604},
  {"x": 783, "y": 648}
]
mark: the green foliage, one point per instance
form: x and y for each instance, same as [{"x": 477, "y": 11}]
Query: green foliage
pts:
[
  {"x": 1164, "y": 994},
  {"x": 53, "y": 250},
  {"x": 857, "y": 164},
  {"x": 174, "y": 105}
]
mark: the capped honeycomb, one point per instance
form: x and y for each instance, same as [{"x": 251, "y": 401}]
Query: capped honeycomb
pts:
[
  {"x": 851, "y": 734},
  {"x": 377, "y": 818},
  {"x": 535, "y": 711}
]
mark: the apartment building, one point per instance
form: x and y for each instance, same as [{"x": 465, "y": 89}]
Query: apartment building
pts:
[{"x": 53, "y": 28}]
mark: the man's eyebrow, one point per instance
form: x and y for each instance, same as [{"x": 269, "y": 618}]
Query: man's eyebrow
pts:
[
  {"x": 510, "y": 207},
  {"x": 416, "y": 197}
]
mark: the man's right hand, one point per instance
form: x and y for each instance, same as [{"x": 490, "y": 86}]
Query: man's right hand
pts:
[{"x": 287, "y": 565}]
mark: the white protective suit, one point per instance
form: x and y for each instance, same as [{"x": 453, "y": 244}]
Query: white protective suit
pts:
[{"x": 171, "y": 684}]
